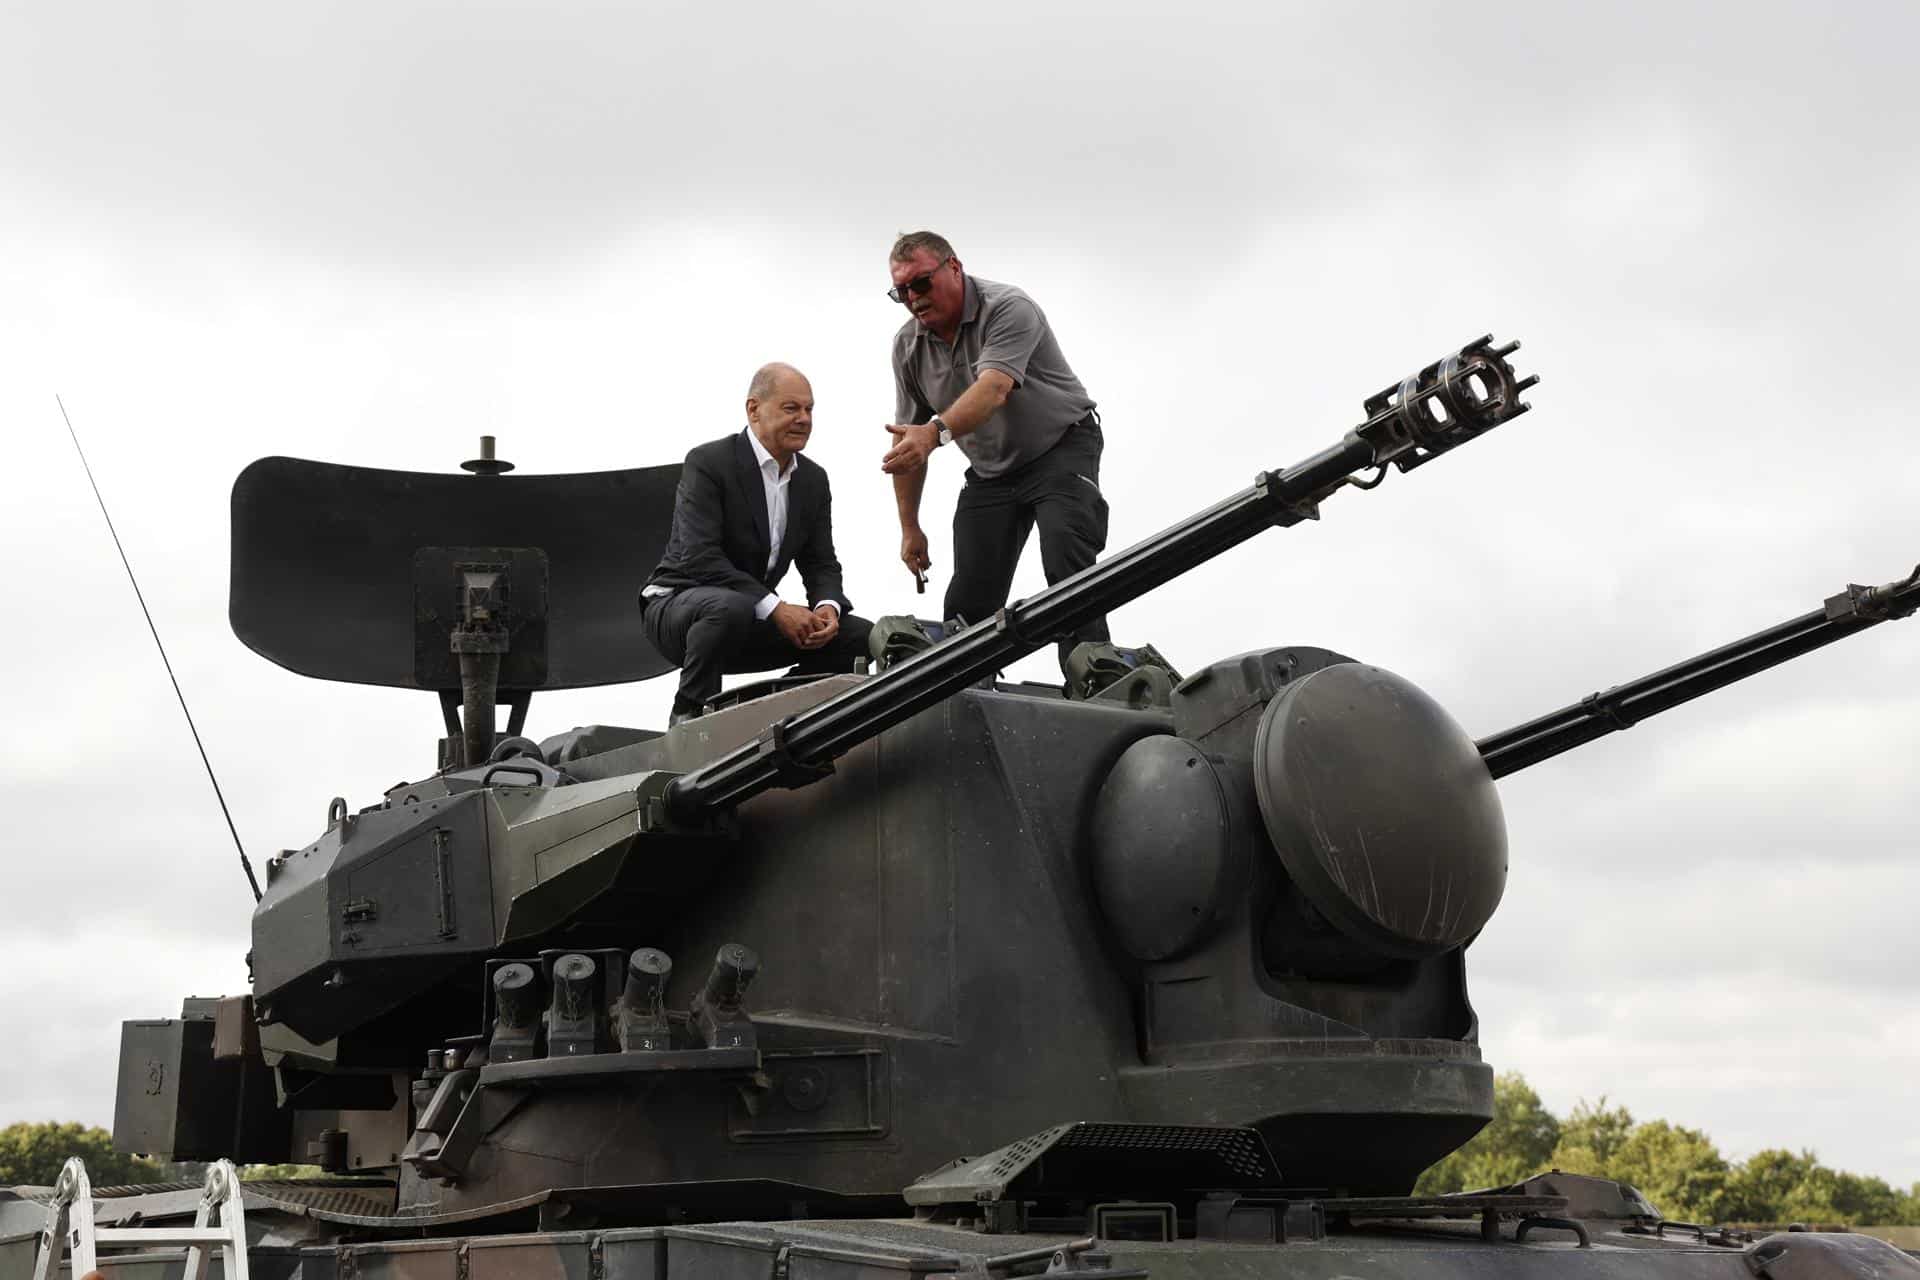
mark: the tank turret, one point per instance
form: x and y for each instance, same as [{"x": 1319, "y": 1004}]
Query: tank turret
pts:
[{"x": 838, "y": 931}]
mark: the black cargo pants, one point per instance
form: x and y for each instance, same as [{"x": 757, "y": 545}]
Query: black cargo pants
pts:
[{"x": 1060, "y": 492}]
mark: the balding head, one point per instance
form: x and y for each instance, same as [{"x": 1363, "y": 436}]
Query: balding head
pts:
[
  {"x": 780, "y": 410},
  {"x": 767, "y": 377}
]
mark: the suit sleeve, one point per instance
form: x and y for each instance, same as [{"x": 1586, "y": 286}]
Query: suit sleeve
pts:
[
  {"x": 819, "y": 566},
  {"x": 698, "y": 511}
]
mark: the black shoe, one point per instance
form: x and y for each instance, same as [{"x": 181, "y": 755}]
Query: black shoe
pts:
[{"x": 681, "y": 717}]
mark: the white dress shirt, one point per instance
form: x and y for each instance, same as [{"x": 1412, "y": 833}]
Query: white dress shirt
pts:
[{"x": 774, "y": 482}]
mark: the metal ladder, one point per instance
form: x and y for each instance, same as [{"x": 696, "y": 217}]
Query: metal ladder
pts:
[{"x": 71, "y": 1229}]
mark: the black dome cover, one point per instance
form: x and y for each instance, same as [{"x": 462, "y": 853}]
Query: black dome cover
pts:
[{"x": 1381, "y": 810}]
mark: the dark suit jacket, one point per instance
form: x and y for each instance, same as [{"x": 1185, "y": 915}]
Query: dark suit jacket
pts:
[{"x": 720, "y": 536}]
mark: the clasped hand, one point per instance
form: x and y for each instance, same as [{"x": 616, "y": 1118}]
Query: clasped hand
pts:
[
  {"x": 911, "y": 445},
  {"x": 806, "y": 628}
]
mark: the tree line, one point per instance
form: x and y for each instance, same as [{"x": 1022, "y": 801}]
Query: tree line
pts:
[
  {"x": 32, "y": 1155},
  {"x": 1678, "y": 1169}
]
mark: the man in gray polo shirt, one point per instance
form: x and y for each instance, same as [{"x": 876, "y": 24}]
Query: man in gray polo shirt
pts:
[{"x": 977, "y": 366}]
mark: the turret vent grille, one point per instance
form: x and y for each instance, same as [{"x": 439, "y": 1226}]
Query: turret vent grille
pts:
[
  {"x": 1242, "y": 1151},
  {"x": 1135, "y": 1161}
]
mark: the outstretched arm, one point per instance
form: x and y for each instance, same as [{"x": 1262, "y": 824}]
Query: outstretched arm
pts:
[{"x": 912, "y": 442}]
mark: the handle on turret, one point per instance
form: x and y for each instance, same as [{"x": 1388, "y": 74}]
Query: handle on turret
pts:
[
  {"x": 1598, "y": 714},
  {"x": 1444, "y": 405}
]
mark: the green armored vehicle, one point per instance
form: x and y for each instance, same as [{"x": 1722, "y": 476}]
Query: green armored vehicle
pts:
[{"x": 906, "y": 971}]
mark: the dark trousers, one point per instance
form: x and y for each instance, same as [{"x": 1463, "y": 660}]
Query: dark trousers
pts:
[
  {"x": 1060, "y": 492},
  {"x": 711, "y": 631}
]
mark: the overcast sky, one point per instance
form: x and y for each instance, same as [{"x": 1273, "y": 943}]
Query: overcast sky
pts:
[{"x": 368, "y": 233}]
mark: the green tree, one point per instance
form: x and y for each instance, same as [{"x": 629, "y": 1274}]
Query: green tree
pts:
[
  {"x": 1591, "y": 1136},
  {"x": 1777, "y": 1185},
  {"x": 32, "y": 1155},
  {"x": 279, "y": 1172},
  {"x": 1866, "y": 1201},
  {"x": 1515, "y": 1144},
  {"x": 1678, "y": 1169}
]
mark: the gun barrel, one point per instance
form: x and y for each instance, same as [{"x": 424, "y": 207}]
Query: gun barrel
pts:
[
  {"x": 1621, "y": 707},
  {"x": 1444, "y": 405}
]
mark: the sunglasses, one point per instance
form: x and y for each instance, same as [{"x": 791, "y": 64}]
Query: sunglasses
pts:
[{"x": 919, "y": 286}]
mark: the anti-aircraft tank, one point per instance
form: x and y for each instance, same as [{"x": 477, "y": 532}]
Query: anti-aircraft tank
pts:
[{"x": 901, "y": 970}]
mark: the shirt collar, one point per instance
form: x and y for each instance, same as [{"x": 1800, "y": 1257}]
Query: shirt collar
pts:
[
  {"x": 971, "y": 310},
  {"x": 762, "y": 457}
]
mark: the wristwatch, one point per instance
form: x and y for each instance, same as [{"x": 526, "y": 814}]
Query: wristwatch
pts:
[{"x": 946, "y": 432}]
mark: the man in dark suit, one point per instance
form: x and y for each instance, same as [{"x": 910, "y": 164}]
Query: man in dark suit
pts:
[{"x": 749, "y": 506}]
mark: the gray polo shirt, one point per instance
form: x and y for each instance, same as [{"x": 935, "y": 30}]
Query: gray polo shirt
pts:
[{"x": 1001, "y": 328}]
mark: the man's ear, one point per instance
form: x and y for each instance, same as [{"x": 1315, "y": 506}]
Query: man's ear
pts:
[{"x": 752, "y": 404}]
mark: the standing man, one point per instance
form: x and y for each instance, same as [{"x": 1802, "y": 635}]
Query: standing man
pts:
[
  {"x": 748, "y": 507},
  {"x": 977, "y": 366}
]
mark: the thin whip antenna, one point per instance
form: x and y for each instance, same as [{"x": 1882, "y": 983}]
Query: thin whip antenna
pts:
[{"x": 245, "y": 865}]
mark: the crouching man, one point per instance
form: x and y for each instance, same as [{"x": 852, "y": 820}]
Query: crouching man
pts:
[{"x": 748, "y": 508}]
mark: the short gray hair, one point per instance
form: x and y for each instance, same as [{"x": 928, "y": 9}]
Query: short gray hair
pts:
[
  {"x": 911, "y": 242},
  {"x": 767, "y": 377}
]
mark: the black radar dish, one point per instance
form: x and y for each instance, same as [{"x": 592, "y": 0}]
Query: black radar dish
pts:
[
  {"x": 349, "y": 573},
  {"x": 1381, "y": 810}
]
